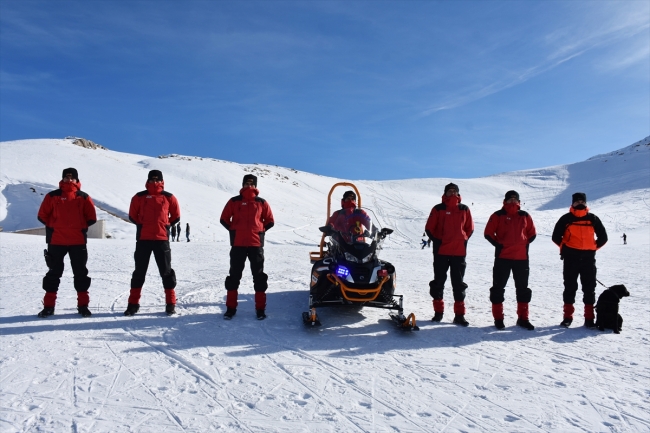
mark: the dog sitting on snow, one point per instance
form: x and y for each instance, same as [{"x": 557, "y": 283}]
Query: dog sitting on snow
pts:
[{"x": 607, "y": 316}]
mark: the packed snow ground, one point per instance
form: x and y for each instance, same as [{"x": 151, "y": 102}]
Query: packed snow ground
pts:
[{"x": 197, "y": 372}]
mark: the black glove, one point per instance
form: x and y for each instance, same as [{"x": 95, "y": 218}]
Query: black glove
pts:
[{"x": 497, "y": 250}]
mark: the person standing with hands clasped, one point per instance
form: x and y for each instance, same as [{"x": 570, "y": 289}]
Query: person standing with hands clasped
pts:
[
  {"x": 579, "y": 234},
  {"x": 449, "y": 227},
  {"x": 510, "y": 230},
  {"x": 66, "y": 213},
  {"x": 247, "y": 217},
  {"x": 153, "y": 211}
]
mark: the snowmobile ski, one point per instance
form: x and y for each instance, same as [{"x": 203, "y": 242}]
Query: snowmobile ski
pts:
[
  {"x": 405, "y": 323},
  {"x": 310, "y": 318}
]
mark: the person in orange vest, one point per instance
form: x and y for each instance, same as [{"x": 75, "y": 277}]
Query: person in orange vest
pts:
[{"x": 579, "y": 234}]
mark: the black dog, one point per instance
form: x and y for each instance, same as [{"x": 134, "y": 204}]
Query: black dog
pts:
[{"x": 607, "y": 309}]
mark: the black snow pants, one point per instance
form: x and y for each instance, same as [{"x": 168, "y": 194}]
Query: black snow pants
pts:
[
  {"x": 441, "y": 264},
  {"x": 162, "y": 253},
  {"x": 500, "y": 274},
  {"x": 78, "y": 260},
  {"x": 238, "y": 256},
  {"x": 582, "y": 264}
]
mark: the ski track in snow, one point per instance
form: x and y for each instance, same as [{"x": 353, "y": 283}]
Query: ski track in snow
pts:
[{"x": 195, "y": 372}]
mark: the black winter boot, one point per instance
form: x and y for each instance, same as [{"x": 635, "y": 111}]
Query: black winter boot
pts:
[
  {"x": 84, "y": 311},
  {"x": 498, "y": 323},
  {"x": 437, "y": 317},
  {"x": 46, "y": 312},
  {"x": 170, "y": 309},
  {"x": 131, "y": 309},
  {"x": 566, "y": 322},
  {"x": 525, "y": 323},
  {"x": 589, "y": 323},
  {"x": 261, "y": 315},
  {"x": 229, "y": 313},
  {"x": 459, "y": 319}
]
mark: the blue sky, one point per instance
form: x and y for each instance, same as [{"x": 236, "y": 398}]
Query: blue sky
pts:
[{"x": 354, "y": 89}]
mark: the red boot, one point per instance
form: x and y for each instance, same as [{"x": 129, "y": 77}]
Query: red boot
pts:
[
  {"x": 589, "y": 316},
  {"x": 49, "y": 301},
  {"x": 82, "y": 304},
  {"x": 568, "y": 315},
  {"x": 438, "y": 310},
  {"x": 134, "y": 302},
  {"x": 459, "y": 314},
  {"x": 522, "y": 316},
  {"x": 170, "y": 301},
  {"x": 497, "y": 313}
]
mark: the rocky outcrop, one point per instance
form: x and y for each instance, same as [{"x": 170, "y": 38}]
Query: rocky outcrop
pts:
[{"x": 85, "y": 143}]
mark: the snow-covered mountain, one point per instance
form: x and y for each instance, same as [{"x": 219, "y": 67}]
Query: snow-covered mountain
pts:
[
  {"x": 30, "y": 168},
  {"x": 195, "y": 372}
]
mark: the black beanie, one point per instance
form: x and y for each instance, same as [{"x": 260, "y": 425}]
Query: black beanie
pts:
[
  {"x": 579, "y": 196},
  {"x": 154, "y": 173},
  {"x": 510, "y": 194},
  {"x": 452, "y": 185},
  {"x": 350, "y": 193},
  {"x": 72, "y": 171},
  {"x": 249, "y": 177}
]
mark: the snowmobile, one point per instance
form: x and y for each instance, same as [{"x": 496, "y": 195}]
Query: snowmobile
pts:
[{"x": 347, "y": 270}]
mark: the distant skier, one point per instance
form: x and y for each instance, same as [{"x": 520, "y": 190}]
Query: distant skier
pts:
[
  {"x": 187, "y": 232},
  {"x": 67, "y": 213},
  {"x": 178, "y": 232},
  {"x": 624, "y": 239},
  {"x": 424, "y": 244},
  {"x": 449, "y": 226},
  {"x": 153, "y": 211},
  {"x": 510, "y": 230},
  {"x": 574, "y": 234},
  {"x": 173, "y": 232},
  {"x": 247, "y": 217}
]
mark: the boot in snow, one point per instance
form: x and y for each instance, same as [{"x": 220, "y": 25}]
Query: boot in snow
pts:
[
  {"x": 498, "y": 323},
  {"x": 459, "y": 319},
  {"x": 170, "y": 309},
  {"x": 229, "y": 313},
  {"x": 46, "y": 312},
  {"x": 525, "y": 323},
  {"x": 131, "y": 309},
  {"x": 261, "y": 315},
  {"x": 566, "y": 322},
  {"x": 568, "y": 315},
  {"x": 84, "y": 311},
  {"x": 589, "y": 316},
  {"x": 438, "y": 310}
]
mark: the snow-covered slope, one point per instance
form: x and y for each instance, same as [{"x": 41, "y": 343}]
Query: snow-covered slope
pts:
[
  {"x": 30, "y": 168},
  {"x": 195, "y": 372}
]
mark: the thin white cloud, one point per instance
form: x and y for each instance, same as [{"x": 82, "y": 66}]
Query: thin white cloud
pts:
[{"x": 566, "y": 44}]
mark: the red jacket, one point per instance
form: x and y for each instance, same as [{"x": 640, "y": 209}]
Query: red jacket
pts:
[
  {"x": 67, "y": 213},
  {"x": 510, "y": 231},
  {"x": 154, "y": 211},
  {"x": 247, "y": 217},
  {"x": 450, "y": 226},
  {"x": 344, "y": 220}
]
